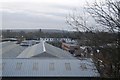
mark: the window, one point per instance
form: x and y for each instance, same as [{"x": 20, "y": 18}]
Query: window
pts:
[
  {"x": 35, "y": 66},
  {"x": 3, "y": 66},
  {"x": 67, "y": 66},
  {"x": 51, "y": 66},
  {"x": 18, "y": 66}
]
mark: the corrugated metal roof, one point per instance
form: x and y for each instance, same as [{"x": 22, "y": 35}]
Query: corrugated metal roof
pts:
[
  {"x": 45, "y": 50},
  {"x": 49, "y": 67},
  {"x": 57, "y": 51},
  {"x": 10, "y": 50},
  {"x": 31, "y": 51}
]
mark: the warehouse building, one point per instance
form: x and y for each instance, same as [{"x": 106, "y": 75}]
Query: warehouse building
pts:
[
  {"x": 49, "y": 68},
  {"x": 45, "y": 60}
]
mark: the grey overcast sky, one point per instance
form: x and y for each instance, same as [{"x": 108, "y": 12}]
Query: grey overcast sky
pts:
[{"x": 36, "y": 14}]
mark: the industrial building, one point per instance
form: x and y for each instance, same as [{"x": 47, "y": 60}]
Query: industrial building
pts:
[
  {"x": 43, "y": 60},
  {"x": 49, "y": 68}
]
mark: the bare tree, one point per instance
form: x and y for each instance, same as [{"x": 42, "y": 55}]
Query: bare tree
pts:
[
  {"x": 107, "y": 14},
  {"x": 80, "y": 22},
  {"x": 77, "y": 21}
]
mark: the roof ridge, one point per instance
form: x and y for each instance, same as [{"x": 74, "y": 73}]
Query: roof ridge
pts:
[{"x": 44, "y": 49}]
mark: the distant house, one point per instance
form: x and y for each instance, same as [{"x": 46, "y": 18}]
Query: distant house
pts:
[
  {"x": 57, "y": 40},
  {"x": 76, "y": 50},
  {"x": 70, "y": 47}
]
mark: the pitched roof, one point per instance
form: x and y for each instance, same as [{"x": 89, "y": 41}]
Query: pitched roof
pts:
[
  {"x": 10, "y": 49},
  {"x": 45, "y": 50}
]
